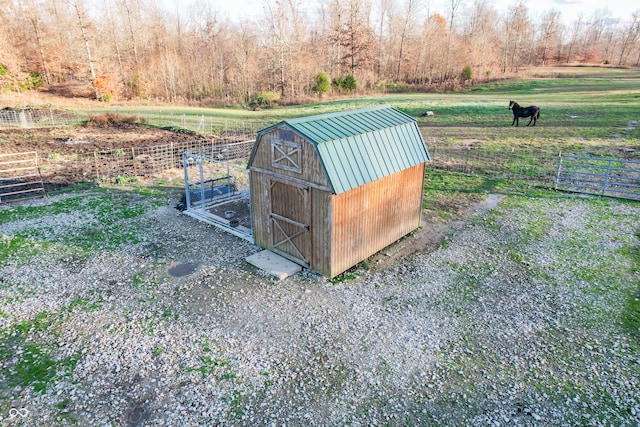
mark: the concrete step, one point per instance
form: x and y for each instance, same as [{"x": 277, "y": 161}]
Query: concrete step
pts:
[{"x": 274, "y": 264}]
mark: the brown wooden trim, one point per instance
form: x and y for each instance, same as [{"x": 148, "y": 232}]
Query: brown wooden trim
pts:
[
  {"x": 289, "y": 220},
  {"x": 289, "y": 180}
]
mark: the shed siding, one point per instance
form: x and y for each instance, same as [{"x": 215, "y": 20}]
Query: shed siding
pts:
[
  {"x": 319, "y": 220},
  {"x": 321, "y": 231},
  {"x": 311, "y": 168},
  {"x": 260, "y": 207},
  {"x": 371, "y": 217}
]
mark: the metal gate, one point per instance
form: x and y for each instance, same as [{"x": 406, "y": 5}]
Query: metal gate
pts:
[
  {"x": 289, "y": 219},
  {"x": 605, "y": 177},
  {"x": 20, "y": 177}
]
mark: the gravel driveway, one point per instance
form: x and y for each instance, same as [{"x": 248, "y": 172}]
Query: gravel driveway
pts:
[{"x": 516, "y": 318}]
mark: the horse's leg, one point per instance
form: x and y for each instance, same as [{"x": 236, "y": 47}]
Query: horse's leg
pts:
[
  {"x": 530, "y": 120},
  {"x": 515, "y": 120}
]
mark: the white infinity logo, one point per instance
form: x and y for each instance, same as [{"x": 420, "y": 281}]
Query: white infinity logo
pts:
[{"x": 13, "y": 412}]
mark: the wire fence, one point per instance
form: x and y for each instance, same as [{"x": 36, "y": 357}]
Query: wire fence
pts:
[
  {"x": 538, "y": 166},
  {"x": 59, "y": 171},
  {"x": 20, "y": 177},
  {"x": 122, "y": 165},
  {"x": 36, "y": 118},
  {"x": 606, "y": 177},
  {"x": 234, "y": 140},
  {"x": 201, "y": 124}
]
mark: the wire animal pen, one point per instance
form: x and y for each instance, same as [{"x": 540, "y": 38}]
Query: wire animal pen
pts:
[{"x": 216, "y": 183}]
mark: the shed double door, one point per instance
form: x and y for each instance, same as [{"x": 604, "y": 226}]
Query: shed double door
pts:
[{"x": 289, "y": 220}]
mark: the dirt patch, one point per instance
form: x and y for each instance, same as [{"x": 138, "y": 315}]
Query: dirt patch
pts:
[
  {"x": 236, "y": 211},
  {"x": 431, "y": 235},
  {"x": 87, "y": 140}
]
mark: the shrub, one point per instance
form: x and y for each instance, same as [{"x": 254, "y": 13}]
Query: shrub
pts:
[
  {"x": 466, "y": 73},
  {"x": 3, "y": 70},
  {"x": 322, "y": 84},
  {"x": 113, "y": 119},
  {"x": 346, "y": 83},
  {"x": 266, "y": 98},
  {"x": 350, "y": 83},
  {"x": 97, "y": 120},
  {"x": 136, "y": 87},
  {"x": 36, "y": 79},
  {"x": 391, "y": 86}
]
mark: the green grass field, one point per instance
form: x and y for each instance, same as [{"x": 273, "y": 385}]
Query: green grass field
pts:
[
  {"x": 584, "y": 110},
  {"x": 578, "y": 106}
]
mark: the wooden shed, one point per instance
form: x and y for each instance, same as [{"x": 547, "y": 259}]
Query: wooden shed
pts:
[{"x": 330, "y": 190}]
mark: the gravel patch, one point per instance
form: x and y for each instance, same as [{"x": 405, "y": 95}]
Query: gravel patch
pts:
[{"x": 513, "y": 320}]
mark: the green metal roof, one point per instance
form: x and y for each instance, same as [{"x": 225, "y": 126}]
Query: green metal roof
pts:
[{"x": 360, "y": 146}]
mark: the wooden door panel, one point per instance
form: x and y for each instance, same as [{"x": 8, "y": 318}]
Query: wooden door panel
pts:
[{"x": 289, "y": 220}]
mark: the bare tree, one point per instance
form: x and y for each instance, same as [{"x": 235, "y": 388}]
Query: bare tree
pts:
[
  {"x": 433, "y": 48},
  {"x": 595, "y": 34},
  {"x": 244, "y": 53},
  {"x": 131, "y": 17},
  {"x": 517, "y": 32},
  {"x": 36, "y": 25},
  {"x": 481, "y": 35},
  {"x": 409, "y": 12},
  {"x": 277, "y": 19},
  {"x": 385, "y": 10},
  {"x": 609, "y": 40},
  {"x": 630, "y": 37},
  {"x": 576, "y": 29},
  {"x": 83, "y": 23},
  {"x": 453, "y": 8},
  {"x": 550, "y": 30}
]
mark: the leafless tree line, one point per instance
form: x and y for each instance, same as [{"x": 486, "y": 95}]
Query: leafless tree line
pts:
[{"x": 137, "y": 49}]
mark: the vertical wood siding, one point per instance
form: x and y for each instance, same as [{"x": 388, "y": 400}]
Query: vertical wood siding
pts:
[
  {"x": 260, "y": 207},
  {"x": 290, "y": 209},
  {"x": 371, "y": 217},
  {"x": 321, "y": 232},
  {"x": 311, "y": 169},
  {"x": 317, "y": 215}
]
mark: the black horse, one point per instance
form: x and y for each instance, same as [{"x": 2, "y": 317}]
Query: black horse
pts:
[{"x": 518, "y": 111}]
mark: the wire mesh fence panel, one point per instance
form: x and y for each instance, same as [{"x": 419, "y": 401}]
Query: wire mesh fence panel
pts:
[
  {"x": 16, "y": 119},
  {"x": 232, "y": 141},
  {"x": 148, "y": 161},
  {"x": 35, "y": 118},
  {"x": 202, "y": 124},
  {"x": 60, "y": 170},
  {"x": 114, "y": 163},
  {"x": 500, "y": 163},
  {"x": 153, "y": 160}
]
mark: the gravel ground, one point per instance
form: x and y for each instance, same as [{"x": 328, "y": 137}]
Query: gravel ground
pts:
[{"x": 514, "y": 319}]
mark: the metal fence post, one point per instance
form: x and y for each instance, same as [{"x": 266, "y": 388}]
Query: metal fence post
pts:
[
  {"x": 558, "y": 170},
  {"x": 606, "y": 178},
  {"x": 201, "y": 185}
]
